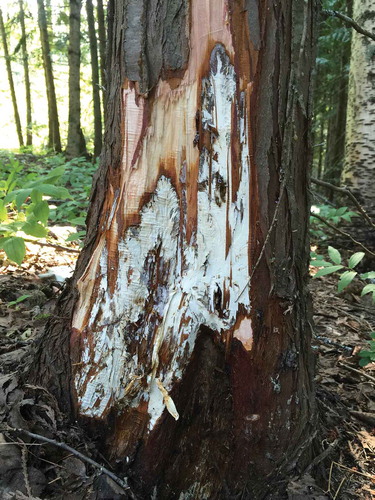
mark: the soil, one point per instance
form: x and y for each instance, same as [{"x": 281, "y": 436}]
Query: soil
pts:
[{"x": 344, "y": 466}]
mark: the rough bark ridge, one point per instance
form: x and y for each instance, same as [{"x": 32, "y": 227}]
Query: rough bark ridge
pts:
[
  {"x": 360, "y": 126},
  {"x": 190, "y": 337}
]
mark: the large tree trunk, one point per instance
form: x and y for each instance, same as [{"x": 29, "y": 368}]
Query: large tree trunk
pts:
[
  {"x": 25, "y": 57},
  {"x": 76, "y": 145},
  {"x": 10, "y": 80},
  {"x": 189, "y": 348},
  {"x": 54, "y": 141},
  {"x": 360, "y": 128},
  {"x": 94, "y": 78}
]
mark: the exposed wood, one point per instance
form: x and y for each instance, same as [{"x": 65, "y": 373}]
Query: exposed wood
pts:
[{"x": 202, "y": 389}]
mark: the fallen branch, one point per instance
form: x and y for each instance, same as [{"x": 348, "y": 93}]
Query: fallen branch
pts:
[
  {"x": 343, "y": 233},
  {"x": 349, "y": 21},
  {"x": 52, "y": 245},
  {"x": 348, "y": 193},
  {"x": 121, "y": 482},
  {"x": 359, "y": 372}
]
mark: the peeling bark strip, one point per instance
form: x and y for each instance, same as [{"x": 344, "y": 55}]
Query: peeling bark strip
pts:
[{"x": 199, "y": 390}]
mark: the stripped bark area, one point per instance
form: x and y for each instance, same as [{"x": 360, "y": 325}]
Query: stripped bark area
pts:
[{"x": 190, "y": 340}]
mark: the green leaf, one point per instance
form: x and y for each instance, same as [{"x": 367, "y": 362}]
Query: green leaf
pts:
[
  {"x": 356, "y": 259},
  {"x": 76, "y": 236},
  {"x": 54, "y": 191},
  {"x": 365, "y": 354},
  {"x": 327, "y": 270},
  {"x": 364, "y": 362},
  {"x": 347, "y": 217},
  {"x": 367, "y": 276},
  {"x": 341, "y": 211},
  {"x": 368, "y": 289},
  {"x": 20, "y": 299},
  {"x": 41, "y": 211},
  {"x": 320, "y": 263},
  {"x": 36, "y": 196},
  {"x": 33, "y": 228},
  {"x": 334, "y": 255},
  {"x": 345, "y": 279},
  {"x": 15, "y": 249},
  {"x": 3, "y": 211}
]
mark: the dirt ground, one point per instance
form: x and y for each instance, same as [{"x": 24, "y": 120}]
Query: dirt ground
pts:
[{"x": 29, "y": 468}]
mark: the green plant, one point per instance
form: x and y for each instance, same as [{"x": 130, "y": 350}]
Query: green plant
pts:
[
  {"x": 24, "y": 209},
  {"x": 318, "y": 229},
  {"x": 368, "y": 356},
  {"x": 346, "y": 272}
]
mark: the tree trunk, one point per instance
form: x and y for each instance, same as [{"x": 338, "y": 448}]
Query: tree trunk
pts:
[
  {"x": 76, "y": 145},
  {"x": 10, "y": 80},
  {"x": 95, "y": 79},
  {"x": 189, "y": 347},
  {"x": 54, "y": 141},
  {"x": 102, "y": 48},
  {"x": 25, "y": 57},
  {"x": 360, "y": 128}
]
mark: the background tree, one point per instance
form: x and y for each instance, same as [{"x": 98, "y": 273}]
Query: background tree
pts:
[
  {"x": 102, "y": 47},
  {"x": 25, "y": 59},
  {"x": 188, "y": 348},
  {"x": 54, "y": 141},
  {"x": 360, "y": 131},
  {"x": 76, "y": 145},
  {"x": 95, "y": 78},
  {"x": 10, "y": 79}
]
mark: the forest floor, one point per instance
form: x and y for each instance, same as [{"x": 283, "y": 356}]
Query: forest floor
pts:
[{"x": 29, "y": 468}]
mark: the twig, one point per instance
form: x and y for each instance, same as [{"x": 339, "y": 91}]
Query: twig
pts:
[
  {"x": 25, "y": 472},
  {"x": 121, "y": 482},
  {"x": 343, "y": 233},
  {"x": 350, "y": 22},
  {"x": 339, "y": 488},
  {"x": 369, "y": 476},
  {"x": 359, "y": 372},
  {"x": 269, "y": 232},
  {"x": 348, "y": 193},
  {"x": 53, "y": 245}
]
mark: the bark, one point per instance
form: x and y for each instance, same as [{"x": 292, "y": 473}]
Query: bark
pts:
[
  {"x": 76, "y": 145},
  {"x": 10, "y": 79},
  {"x": 95, "y": 79},
  {"x": 25, "y": 57},
  {"x": 335, "y": 153},
  {"x": 102, "y": 48},
  {"x": 54, "y": 141},
  {"x": 360, "y": 128},
  {"x": 189, "y": 341}
]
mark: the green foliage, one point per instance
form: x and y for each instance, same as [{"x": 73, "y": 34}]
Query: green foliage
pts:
[
  {"x": 368, "y": 356},
  {"x": 333, "y": 215},
  {"x": 45, "y": 191},
  {"x": 348, "y": 274}
]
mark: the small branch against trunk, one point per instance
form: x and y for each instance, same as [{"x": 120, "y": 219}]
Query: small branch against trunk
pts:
[
  {"x": 348, "y": 193},
  {"x": 53, "y": 245},
  {"x": 121, "y": 482},
  {"x": 349, "y": 22},
  {"x": 343, "y": 233}
]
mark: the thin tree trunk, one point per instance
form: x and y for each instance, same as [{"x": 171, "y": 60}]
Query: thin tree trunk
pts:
[
  {"x": 102, "y": 48},
  {"x": 360, "y": 128},
  {"x": 95, "y": 79},
  {"x": 76, "y": 145},
  {"x": 25, "y": 57},
  {"x": 54, "y": 141},
  {"x": 189, "y": 342},
  {"x": 10, "y": 80}
]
